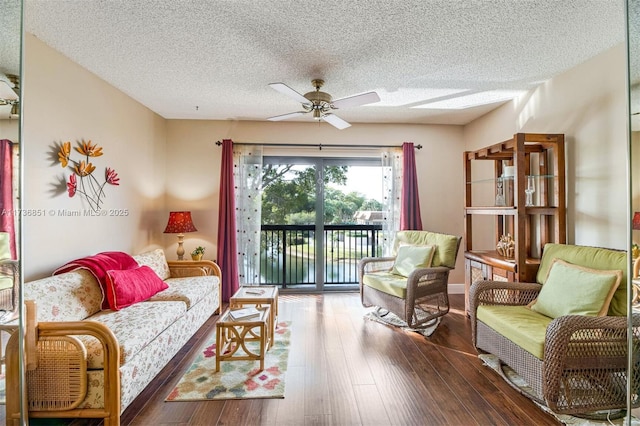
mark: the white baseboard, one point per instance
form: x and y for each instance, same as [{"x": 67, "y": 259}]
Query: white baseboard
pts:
[{"x": 456, "y": 288}]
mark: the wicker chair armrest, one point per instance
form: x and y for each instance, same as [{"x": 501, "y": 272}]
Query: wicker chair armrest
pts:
[
  {"x": 374, "y": 264},
  {"x": 9, "y": 267},
  {"x": 587, "y": 345},
  {"x": 9, "y": 296},
  {"x": 502, "y": 293},
  {"x": 193, "y": 268},
  {"x": 426, "y": 277}
]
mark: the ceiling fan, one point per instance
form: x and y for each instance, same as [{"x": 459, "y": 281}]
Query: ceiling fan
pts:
[{"x": 320, "y": 104}]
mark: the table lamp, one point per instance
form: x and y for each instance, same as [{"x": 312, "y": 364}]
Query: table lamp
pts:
[
  {"x": 179, "y": 223},
  {"x": 636, "y": 221}
]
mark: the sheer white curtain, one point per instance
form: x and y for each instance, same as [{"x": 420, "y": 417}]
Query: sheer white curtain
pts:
[
  {"x": 392, "y": 191},
  {"x": 247, "y": 175}
]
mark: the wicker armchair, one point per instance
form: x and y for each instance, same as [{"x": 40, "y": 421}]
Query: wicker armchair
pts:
[
  {"x": 584, "y": 365},
  {"x": 422, "y": 295},
  {"x": 9, "y": 281}
]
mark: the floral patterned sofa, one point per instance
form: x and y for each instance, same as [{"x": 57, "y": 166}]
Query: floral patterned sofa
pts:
[{"x": 109, "y": 356}]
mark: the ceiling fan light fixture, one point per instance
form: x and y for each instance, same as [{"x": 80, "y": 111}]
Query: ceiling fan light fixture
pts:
[
  {"x": 7, "y": 89},
  {"x": 320, "y": 104}
]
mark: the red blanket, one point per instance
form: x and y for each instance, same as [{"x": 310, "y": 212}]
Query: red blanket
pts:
[{"x": 98, "y": 265}]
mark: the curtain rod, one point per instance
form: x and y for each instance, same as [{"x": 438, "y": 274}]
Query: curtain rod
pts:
[{"x": 319, "y": 145}]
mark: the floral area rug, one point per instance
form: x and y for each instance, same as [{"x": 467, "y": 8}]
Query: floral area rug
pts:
[
  {"x": 389, "y": 318},
  {"x": 518, "y": 382},
  {"x": 236, "y": 379}
]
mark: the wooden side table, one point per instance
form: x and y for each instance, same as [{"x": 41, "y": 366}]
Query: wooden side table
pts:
[
  {"x": 248, "y": 295},
  {"x": 232, "y": 335}
]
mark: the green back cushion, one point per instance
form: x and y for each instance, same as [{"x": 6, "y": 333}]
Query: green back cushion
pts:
[
  {"x": 576, "y": 290},
  {"x": 446, "y": 245},
  {"x": 411, "y": 257},
  {"x": 590, "y": 257}
]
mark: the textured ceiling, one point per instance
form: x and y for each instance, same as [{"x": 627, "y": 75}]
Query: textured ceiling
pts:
[{"x": 214, "y": 59}]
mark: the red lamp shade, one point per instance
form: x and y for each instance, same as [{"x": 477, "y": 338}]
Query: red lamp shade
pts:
[
  {"x": 636, "y": 220},
  {"x": 179, "y": 222}
]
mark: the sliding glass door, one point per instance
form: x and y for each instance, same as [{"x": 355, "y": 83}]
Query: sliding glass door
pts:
[{"x": 320, "y": 216}]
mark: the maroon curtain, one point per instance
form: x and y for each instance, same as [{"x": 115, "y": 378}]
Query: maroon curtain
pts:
[
  {"x": 409, "y": 201},
  {"x": 227, "y": 251},
  {"x": 6, "y": 194}
]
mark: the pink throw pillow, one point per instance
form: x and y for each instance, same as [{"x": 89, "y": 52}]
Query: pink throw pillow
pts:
[{"x": 129, "y": 286}]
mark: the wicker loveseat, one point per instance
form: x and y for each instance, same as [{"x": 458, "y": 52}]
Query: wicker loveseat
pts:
[
  {"x": 574, "y": 363},
  {"x": 419, "y": 294},
  {"x": 83, "y": 360}
]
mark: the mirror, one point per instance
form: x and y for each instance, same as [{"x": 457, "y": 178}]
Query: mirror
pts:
[
  {"x": 11, "y": 37},
  {"x": 633, "y": 51}
]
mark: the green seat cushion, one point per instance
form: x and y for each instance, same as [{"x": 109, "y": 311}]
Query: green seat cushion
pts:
[
  {"x": 591, "y": 257},
  {"x": 5, "y": 250},
  {"x": 410, "y": 258},
  {"x": 576, "y": 290},
  {"x": 519, "y": 324},
  {"x": 6, "y": 282},
  {"x": 446, "y": 245},
  {"x": 395, "y": 285}
]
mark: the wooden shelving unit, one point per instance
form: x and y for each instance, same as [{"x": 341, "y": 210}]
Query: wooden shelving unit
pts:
[{"x": 540, "y": 156}]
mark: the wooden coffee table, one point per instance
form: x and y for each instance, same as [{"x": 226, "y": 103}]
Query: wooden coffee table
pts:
[
  {"x": 232, "y": 336},
  {"x": 248, "y": 295}
]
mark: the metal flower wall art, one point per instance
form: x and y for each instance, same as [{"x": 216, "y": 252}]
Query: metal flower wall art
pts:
[{"x": 83, "y": 179}]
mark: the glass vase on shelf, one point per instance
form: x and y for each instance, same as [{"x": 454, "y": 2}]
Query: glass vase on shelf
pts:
[
  {"x": 500, "y": 199},
  {"x": 531, "y": 188}
]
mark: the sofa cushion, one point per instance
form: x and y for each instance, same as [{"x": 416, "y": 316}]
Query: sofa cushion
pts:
[
  {"x": 591, "y": 257},
  {"x": 395, "y": 285},
  {"x": 189, "y": 290},
  {"x": 71, "y": 296},
  {"x": 134, "y": 327},
  {"x": 411, "y": 257},
  {"x": 519, "y": 324},
  {"x": 126, "y": 287},
  {"x": 156, "y": 260},
  {"x": 98, "y": 264},
  {"x": 447, "y": 245},
  {"x": 576, "y": 290}
]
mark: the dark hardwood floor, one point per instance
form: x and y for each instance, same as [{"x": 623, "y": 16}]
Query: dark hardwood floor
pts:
[{"x": 345, "y": 370}]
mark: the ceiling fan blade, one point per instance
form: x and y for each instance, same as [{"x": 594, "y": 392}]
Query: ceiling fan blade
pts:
[
  {"x": 286, "y": 90},
  {"x": 286, "y": 116},
  {"x": 335, "y": 121},
  {"x": 356, "y": 100}
]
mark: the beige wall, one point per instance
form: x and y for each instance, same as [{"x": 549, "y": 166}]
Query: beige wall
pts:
[
  {"x": 9, "y": 130},
  {"x": 589, "y": 105},
  {"x": 193, "y": 177},
  {"x": 64, "y": 102}
]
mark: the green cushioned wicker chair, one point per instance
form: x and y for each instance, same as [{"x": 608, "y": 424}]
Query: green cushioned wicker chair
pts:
[
  {"x": 413, "y": 282},
  {"x": 9, "y": 281},
  {"x": 566, "y": 334}
]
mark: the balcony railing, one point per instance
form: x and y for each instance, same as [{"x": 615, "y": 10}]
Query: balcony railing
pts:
[{"x": 290, "y": 252}]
